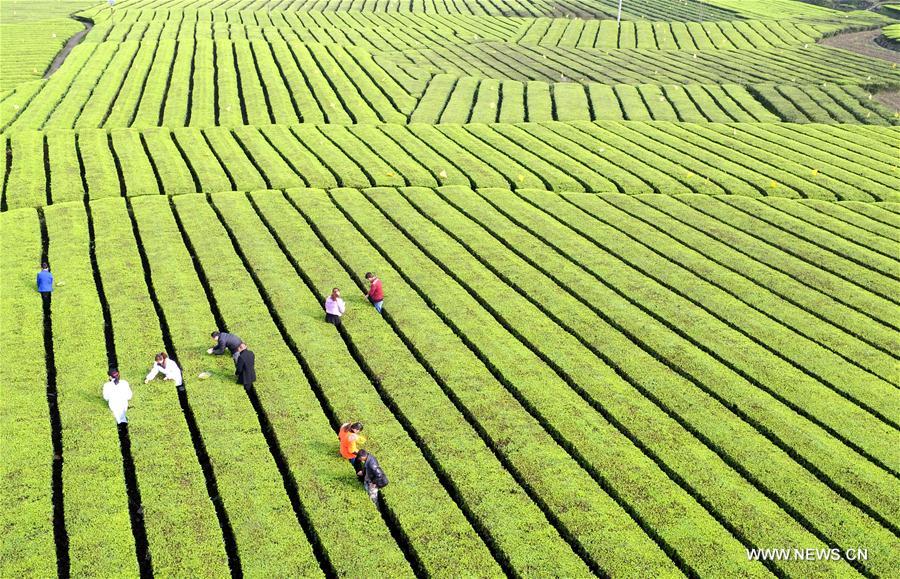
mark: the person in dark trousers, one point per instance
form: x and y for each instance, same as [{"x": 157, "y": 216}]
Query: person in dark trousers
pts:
[
  {"x": 334, "y": 307},
  {"x": 376, "y": 293},
  {"x": 245, "y": 366},
  {"x": 225, "y": 340},
  {"x": 373, "y": 477},
  {"x": 45, "y": 282}
]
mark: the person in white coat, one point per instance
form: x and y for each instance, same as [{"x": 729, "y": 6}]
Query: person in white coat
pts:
[
  {"x": 168, "y": 368},
  {"x": 117, "y": 393}
]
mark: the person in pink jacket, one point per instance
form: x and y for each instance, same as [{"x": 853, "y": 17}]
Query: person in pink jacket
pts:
[{"x": 334, "y": 307}]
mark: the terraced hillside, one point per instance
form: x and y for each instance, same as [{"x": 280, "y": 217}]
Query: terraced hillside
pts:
[
  {"x": 641, "y": 279},
  {"x": 31, "y": 34}
]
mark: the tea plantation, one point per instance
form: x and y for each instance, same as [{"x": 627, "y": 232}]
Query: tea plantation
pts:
[{"x": 642, "y": 287}]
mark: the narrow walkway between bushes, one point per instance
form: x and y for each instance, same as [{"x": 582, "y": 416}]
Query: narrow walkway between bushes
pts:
[{"x": 70, "y": 44}]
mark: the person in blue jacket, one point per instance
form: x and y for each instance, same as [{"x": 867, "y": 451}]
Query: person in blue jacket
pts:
[{"x": 45, "y": 282}]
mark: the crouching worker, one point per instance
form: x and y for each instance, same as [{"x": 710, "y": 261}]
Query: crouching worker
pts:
[
  {"x": 225, "y": 340},
  {"x": 117, "y": 393},
  {"x": 373, "y": 477},
  {"x": 168, "y": 368},
  {"x": 350, "y": 437}
]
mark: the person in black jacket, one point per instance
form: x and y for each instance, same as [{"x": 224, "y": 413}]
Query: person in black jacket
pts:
[
  {"x": 225, "y": 340},
  {"x": 373, "y": 477},
  {"x": 245, "y": 366}
]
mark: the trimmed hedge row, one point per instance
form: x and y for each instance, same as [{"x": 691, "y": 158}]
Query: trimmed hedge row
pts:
[
  {"x": 752, "y": 34},
  {"x": 807, "y": 65},
  {"x": 298, "y": 425},
  {"x": 588, "y": 431},
  {"x": 844, "y": 242},
  {"x": 26, "y": 500},
  {"x": 864, "y": 486},
  {"x": 604, "y": 156},
  {"x": 146, "y": 83},
  {"x": 720, "y": 340},
  {"x": 792, "y": 279},
  {"x": 570, "y": 357},
  {"x": 268, "y": 537},
  {"x": 98, "y": 523},
  {"x": 640, "y": 414},
  {"x": 39, "y": 108},
  {"x": 517, "y": 529},
  {"x": 812, "y": 362},
  {"x": 871, "y": 292},
  {"x": 844, "y": 212},
  {"x": 441, "y": 543},
  {"x": 456, "y": 100},
  {"x": 186, "y": 539},
  {"x": 729, "y": 272}
]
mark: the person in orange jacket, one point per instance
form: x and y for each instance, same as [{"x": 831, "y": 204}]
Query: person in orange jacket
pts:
[{"x": 350, "y": 437}]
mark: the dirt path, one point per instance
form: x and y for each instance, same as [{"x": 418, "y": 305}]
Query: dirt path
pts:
[
  {"x": 70, "y": 44},
  {"x": 862, "y": 43},
  {"x": 890, "y": 99}
]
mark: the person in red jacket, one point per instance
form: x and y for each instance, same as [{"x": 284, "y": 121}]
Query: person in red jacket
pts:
[
  {"x": 376, "y": 294},
  {"x": 350, "y": 437}
]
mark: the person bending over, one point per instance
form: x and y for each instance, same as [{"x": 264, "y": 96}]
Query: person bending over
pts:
[
  {"x": 225, "y": 340},
  {"x": 168, "y": 368}
]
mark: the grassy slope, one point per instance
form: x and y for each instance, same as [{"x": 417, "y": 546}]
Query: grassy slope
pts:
[{"x": 31, "y": 34}]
